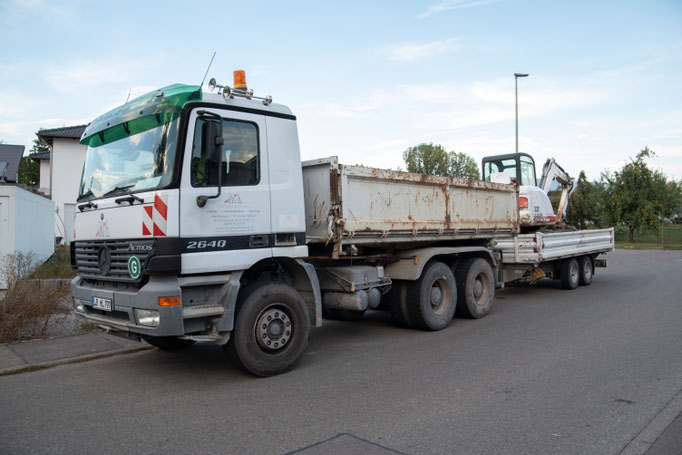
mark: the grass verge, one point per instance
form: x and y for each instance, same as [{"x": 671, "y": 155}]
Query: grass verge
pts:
[{"x": 672, "y": 238}]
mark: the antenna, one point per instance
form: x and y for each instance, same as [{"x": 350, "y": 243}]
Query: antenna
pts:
[
  {"x": 207, "y": 69},
  {"x": 129, "y": 91}
]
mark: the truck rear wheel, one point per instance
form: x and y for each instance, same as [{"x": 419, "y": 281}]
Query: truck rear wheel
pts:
[
  {"x": 271, "y": 329},
  {"x": 570, "y": 273},
  {"x": 432, "y": 298},
  {"x": 475, "y": 288},
  {"x": 168, "y": 343},
  {"x": 586, "y": 270}
]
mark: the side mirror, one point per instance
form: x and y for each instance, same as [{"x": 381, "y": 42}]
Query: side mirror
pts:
[
  {"x": 213, "y": 149},
  {"x": 213, "y": 140}
]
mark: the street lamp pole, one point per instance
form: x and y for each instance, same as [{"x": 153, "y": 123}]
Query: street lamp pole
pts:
[{"x": 516, "y": 90}]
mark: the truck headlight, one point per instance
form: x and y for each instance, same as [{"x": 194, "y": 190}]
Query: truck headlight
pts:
[{"x": 149, "y": 318}]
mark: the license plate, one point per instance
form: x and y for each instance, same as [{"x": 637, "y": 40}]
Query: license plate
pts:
[{"x": 100, "y": 303}]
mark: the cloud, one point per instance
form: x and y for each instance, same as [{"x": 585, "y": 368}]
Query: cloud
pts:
[
  {"x": 13, "y": 12},
  {"x": 448, "y": 5},
  {"x": 410, "y": 52},
  {"x": 84, "y": 75}
]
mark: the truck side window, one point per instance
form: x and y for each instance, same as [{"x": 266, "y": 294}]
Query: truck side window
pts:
[{"x": 241, "y": 157}]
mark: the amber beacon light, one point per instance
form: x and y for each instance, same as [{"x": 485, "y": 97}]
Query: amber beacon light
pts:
[{"x": 240, "y": 80}]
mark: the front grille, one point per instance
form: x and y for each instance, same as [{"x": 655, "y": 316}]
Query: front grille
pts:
[{"x": 88, "y": 264}]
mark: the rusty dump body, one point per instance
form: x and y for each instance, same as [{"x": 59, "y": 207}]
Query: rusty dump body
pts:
[{"x": 361, "y": 205}]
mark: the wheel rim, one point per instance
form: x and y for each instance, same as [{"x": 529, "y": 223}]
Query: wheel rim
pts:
[
  {"x": 588, "y": 271},
  {"x": 274, "y": 328},
  {"x": 439, "y": 296},
  {"x": 481, "y": 288}
]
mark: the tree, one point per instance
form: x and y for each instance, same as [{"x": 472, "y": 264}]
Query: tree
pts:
[
  {"x": 435, "y": 160},
  {"x": 29, "y": 170},
  {"x": 463, "y": 166},
  {"x": 583, "y": 205},
  {"x": 638, "y": 196},
  {"x": 426, "y": 159}
]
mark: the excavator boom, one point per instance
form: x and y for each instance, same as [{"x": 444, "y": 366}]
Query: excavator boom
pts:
[{"x": 552, "y": 171}]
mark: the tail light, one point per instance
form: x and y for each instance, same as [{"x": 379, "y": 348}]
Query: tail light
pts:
[{"x": 523, "y": 202}]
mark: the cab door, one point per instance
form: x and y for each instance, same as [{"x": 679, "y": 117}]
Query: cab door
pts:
[{"x": 232, "y": 231}]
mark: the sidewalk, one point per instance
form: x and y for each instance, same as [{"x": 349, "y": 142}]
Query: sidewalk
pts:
[{"x": 40, "y": 354}]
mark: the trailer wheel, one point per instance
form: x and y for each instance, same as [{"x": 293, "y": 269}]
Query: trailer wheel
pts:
[
  {"x": 168, "y": 343},
  {"x": 271, "y": 330},
  {"x": 396, "y": 300},
  {"x": 586, "y": 270},
  {"x": 475, "y": 288},
  {"x": 570, "y": 273},
  {"x": 432, "y": 298}
]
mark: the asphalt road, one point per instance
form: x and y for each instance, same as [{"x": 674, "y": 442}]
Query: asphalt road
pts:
[{"x": 548, "y": 371}]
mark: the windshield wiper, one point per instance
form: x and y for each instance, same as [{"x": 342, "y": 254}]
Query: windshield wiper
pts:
[
  {"x": 130, "y": 199},
  {"x": 85, "y": 195},
  {"x": 118, "y": 189}
]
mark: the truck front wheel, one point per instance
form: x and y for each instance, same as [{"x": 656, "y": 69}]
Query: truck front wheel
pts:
[
  {"x": 271, "y": 329},
  {"x": 432, "y": 298},
  {"x": 475, "y": 288}
]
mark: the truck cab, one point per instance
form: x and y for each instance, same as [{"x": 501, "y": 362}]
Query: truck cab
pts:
[{"x": 182, "y": 192}]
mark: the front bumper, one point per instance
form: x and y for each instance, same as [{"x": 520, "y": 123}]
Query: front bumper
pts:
[{"x": 173, "y": 321}]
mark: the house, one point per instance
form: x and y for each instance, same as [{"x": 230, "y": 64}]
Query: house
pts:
[
  {"x": 10, "y": 156},
  {"x": 60, "y": 174}
]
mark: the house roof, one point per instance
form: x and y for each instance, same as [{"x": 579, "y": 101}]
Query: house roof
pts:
[
  {"x": 11, "y": 154},
  {"x": 40, "y": 156},
  {"x": 68, "y": 132}
]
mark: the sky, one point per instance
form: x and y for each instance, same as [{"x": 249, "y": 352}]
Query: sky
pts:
[{"x": 368, "y": 79}]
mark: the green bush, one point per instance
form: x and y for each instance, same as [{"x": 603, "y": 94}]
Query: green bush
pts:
[{"x": 28, "y": 304}]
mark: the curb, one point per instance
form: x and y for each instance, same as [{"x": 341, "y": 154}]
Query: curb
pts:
[
  {"x": 643, "y": 440},
  {"x": 72, "y": 360}
]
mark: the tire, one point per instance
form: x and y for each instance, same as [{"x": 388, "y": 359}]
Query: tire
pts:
[
  {"x": 396, "y": 300},
  {"x": 271, "y": 329},
  {"x": 168, "y": 343},
  {"x": 570, "y": 273},
  {"x": 431, "y": 300},
  {"x": 475, "y": 288},
  {"x": 586, "y": 270}
]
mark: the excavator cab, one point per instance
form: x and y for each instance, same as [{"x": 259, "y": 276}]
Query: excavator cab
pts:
[
  {"x": 535, "y": 208},
  {"x": 519, "y": 166}
]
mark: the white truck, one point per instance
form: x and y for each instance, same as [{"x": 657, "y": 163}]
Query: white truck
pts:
[{"x": 197, "y": 221}]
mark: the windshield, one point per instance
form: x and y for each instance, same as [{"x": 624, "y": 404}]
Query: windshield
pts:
[{"x": 140, "y": 162}]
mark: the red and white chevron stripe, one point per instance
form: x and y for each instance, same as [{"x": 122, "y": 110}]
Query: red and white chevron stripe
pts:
[{"x": 155, "y": 218}]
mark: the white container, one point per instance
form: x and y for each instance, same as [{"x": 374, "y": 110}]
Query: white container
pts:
[
  {"x": 360, "y": 205},
  {"x": 26, "y": 225}
]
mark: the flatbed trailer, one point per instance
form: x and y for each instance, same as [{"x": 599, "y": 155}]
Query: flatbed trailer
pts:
[{"x": 542, "y": 254}]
